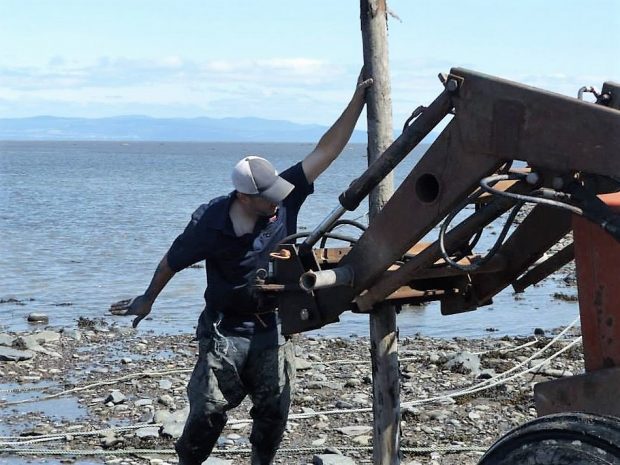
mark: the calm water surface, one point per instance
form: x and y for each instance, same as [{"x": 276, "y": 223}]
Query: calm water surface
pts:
[{"x": 84, "y": 224}]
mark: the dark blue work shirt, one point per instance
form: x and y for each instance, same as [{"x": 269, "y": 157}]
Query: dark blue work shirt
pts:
[{"x": 231, "y": 261}]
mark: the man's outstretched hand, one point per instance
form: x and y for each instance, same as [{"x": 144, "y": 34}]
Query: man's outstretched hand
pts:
[{"x": 139, "y": 306}]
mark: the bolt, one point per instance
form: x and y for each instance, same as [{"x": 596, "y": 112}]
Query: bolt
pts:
[
  {"x": 304, "y": 314},
  {"x": 452, "y": 85},
  {"x": 532, "y": 178}
]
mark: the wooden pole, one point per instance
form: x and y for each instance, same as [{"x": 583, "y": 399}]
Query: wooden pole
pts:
[{"x": 383, "y": 332}]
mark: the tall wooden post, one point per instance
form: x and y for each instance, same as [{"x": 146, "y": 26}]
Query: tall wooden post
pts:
[{"x": 383, "y": 333}]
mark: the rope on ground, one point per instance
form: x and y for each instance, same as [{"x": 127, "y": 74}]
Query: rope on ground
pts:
[
  {"x": 154, "y": 374},
  {"x": 482, "y": 388},
  {"x": 144, "y": 374},
  {"x": 527, "y": 360},
  {"x": 290, "y": 450},
  {"x": 13, "y": 440},
  {"x": 411, "y": 359},
  {"x": 508, "y": 349},
  {"x": 479, "y": 387},
  {"x": 486, "y": 384},
  {"x": 25, "y": 389}
]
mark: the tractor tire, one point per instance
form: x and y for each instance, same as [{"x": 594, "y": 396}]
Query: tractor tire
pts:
[{"x": 560, "y": 439}]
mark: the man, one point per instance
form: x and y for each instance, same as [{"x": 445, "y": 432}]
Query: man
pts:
[{"x": 241, "y": 349}]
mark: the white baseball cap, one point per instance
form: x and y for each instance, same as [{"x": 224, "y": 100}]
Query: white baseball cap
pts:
[{"x": 256, "y": 176}]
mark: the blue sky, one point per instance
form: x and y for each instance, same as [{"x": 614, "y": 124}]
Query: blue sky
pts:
[{"x": 290, "y": 60}]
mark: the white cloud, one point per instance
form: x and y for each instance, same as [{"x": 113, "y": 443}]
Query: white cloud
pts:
[
  {"x": 174, "y": 81},
  {"x": 299, "y": 89}
]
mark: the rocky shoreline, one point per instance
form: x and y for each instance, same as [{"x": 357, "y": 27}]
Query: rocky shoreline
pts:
[{"x": 109, "y": 394}]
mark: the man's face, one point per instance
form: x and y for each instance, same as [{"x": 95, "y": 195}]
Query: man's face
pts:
[{"x": 262, "y": 207}]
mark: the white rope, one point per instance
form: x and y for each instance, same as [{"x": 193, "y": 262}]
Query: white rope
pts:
[
  {"x": 530, "y": 358},
  {"x": 508, "y": 349},
  {"x": 482, "y": 387},
  {"x": 153, "y": 374},
  {"x": 291, "y": 450},
  {"x": 26, "y": 389},
  {"x": 147, "y": 374},
  {"x": 492, "y": 382},
  {"x": 13, "y": 440}
]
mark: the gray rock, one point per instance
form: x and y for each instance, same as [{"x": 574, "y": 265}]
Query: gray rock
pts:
[
  {"x": 354, "y": 430},
  {"x": 172, "y": 423},
  {"x": 332, "y": 459},
  {"x": 6, "y": 340},
  {"x": 30, "y": 343},
  {"x": 146, "y": 417},
  {"x": 116, "y": 397},
  {"x": 143, "y": 402},
  {"x": 161, "y": 416},
  {"x": 38, "y": 318},
  {"x": 341, "y": 404},
  {"x": 325, "y": 385},
  {"x": 556, "y": 373},
  {"x": 44, "y": 336},
  {"x": 165, "y": 384},
  {"x": 166, "y": 400},
  {"x": 439, "y": 415},
  {"x": 216, "y": 461},
  {"x": 353, "y": 382},
  {"x": 109, "y": 439},
  {"x": 150, "y": 432},
  {"x": 72, "y": 334},
  {"x": 487, "y": 373},
  {"x": 464, "y": 362},
  {"x": 363, "y": 440},
  {"x": 8, "y": 354},
  {"x": 302, "y": 364}
]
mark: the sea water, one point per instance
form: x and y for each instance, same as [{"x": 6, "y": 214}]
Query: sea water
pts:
[{"x": 84, "y": 224}]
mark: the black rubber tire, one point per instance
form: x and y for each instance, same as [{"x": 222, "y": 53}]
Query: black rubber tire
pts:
[{"x": 561, "y": 439}]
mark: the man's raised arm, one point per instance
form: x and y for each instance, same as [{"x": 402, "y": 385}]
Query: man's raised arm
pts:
[{"x": 335, "y": 139}]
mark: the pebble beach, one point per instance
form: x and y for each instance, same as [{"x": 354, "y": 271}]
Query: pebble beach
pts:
[{"x": 107, "y": 394}]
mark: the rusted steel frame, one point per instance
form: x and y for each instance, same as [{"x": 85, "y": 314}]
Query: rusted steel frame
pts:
[
  {"x": 395, "y": 153},
  {"x": 514, "y": 121},
  {"x": 612, "y": 89},
  {"x": 597, "y": 261},
  {"x": 593, "y": 392},
  {"x": 407, "y": 295},
  {"x": 549, "y": 266},
  {"x": 539, "y": 231},
  {"x": 331, "y": 256},
  {"x": 495, "y": 264},
  {"x": 413, "y": 267},
  {"x": 444, "y": 176}
]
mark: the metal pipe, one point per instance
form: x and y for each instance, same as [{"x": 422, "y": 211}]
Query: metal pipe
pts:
[
  {"x": 323, "y": 227},
  {"x": 341, "y": 276},
  {"x": 394, "y": 154}
]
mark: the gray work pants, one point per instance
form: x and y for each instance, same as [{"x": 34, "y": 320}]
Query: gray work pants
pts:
[{"x": 228, "y": 369}]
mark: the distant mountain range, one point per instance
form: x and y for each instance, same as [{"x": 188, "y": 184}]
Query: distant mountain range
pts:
[{"x": 144, "y": 128}]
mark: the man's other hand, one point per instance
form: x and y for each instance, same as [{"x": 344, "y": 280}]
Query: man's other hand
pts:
[{"x": 139, "y": 306}]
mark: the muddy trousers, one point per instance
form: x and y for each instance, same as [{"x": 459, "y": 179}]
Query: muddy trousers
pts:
[{"x": 228, "y": 369}]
